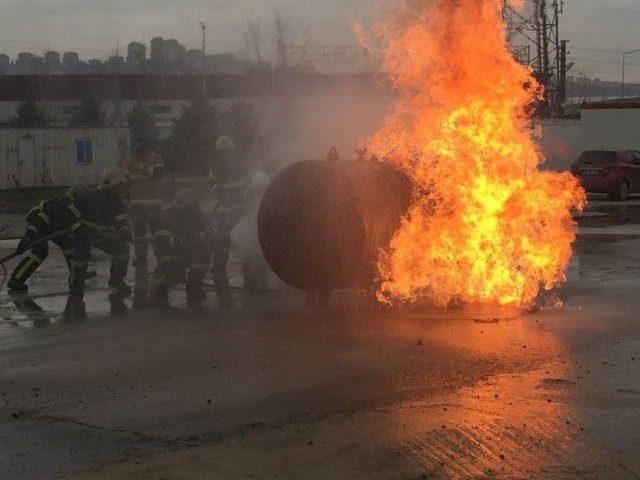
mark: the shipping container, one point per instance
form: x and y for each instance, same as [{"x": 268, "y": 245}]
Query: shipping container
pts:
[{"x": 59, "y": 157}]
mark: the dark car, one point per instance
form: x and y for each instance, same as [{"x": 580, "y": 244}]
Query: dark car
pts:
[{"x": 616, "y": 173}]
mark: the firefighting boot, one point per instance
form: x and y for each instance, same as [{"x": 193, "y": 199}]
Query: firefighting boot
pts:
[
  {"x": 225, "y": 300},
  {"x": 194, "y": 288},
  {"x": 141, "y": 278},
  {"x": 16, "y": 287},
  {"x": 118, "y": 307},
  {"x": 75, "y": 310},
  {"x": 195, "y": 298},
  {"x": 19, "y": 294},
  {"x": 140, "y": 299},
  {"x": 121, "y": 287},
  {"x": 161, "y": 298}
]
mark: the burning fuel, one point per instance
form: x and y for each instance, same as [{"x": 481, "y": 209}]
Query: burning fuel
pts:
[{"x": 487, "y": 225}]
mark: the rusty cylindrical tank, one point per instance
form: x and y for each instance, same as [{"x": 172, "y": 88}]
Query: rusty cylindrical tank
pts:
[{"x": 322, "y": 224}]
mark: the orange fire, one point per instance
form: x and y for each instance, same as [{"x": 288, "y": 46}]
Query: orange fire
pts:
[{"x": 489, "y": 226}]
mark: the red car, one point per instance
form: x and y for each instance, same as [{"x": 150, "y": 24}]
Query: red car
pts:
[{"x": 616, "y": 173}]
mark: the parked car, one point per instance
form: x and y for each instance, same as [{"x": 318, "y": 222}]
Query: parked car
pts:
[{"x": 616, "y": 173}]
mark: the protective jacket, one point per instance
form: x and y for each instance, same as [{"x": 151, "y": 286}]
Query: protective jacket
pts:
[{"x": 181, "y": 243}]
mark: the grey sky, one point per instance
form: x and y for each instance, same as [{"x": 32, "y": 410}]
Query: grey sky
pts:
[{"x": 96, "y": 27}]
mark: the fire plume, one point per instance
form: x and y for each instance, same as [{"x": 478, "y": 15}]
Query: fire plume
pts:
[{"x": 487, "y": 225}]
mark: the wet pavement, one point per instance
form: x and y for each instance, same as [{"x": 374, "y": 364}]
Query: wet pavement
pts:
[{"x": 273, "y": 389}]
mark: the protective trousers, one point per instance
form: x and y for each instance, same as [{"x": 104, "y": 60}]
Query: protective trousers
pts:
[
  {"x": 221, "y": 250},
  {"x": 75, "y": 255},
  {"x": 175, "y": 262},
  {"x": 118, "y": 250},
  {"x": 141, "y": 217}
]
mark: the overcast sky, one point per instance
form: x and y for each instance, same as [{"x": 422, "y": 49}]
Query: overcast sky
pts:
[{"x": 95, "y": 28}]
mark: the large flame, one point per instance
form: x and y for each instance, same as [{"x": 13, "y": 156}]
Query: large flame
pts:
[{"x": 489, "y": 226}]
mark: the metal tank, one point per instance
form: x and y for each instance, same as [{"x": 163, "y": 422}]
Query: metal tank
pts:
[{"x": 322, "y": 224}]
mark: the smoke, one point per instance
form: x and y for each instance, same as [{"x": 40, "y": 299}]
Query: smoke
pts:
[{"x": 304, "y": 127}]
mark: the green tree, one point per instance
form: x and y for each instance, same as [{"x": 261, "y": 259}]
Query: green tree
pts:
[
  {"x": 29, "y": 115},
  {"x": 143, "y": 130},
  {"x": 90, "y": 113},
  {"x": 191, "y": 147},
  {"x": 242, "y": 126}
]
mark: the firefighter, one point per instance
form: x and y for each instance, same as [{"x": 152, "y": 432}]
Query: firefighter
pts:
[
  {"x": 230, "y": 188},
  {"x": 147, "y": 175},
  {"x": 46, "y": 218},
  {"x": 82, "y": 217},
  {"x": 181, "y": 243},
  {"x": 55, "y": 216},
  {"x": 104, "y": 212}
]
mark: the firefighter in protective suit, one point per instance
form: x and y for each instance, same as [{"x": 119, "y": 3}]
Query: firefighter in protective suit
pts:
[
  {"x": 146, "y": 204},
  {"x": 105, "y": 214},
  {"x": 181, "y": 243},
  {"x": 230, "y": 188},
  {"x": 87, "y": 217}
]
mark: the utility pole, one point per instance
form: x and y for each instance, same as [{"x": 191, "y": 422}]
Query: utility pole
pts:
[
  {"x": 541, "y": 29},
  {"x": 204, "y": 57},
  {"x": 562, "y": 68}
]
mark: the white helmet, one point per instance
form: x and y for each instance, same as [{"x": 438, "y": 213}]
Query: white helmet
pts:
[
  {"x": 114, "y": 177},
  {"x": 224, "y": 144},
  {"x": 186, "y": 198}
]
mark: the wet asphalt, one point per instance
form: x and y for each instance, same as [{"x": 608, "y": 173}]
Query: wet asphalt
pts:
[{"x": 275, "y": 389}]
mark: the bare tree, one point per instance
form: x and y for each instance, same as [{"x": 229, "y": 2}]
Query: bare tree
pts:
[
  {"x": 283, "y": 37},
  {"x": 253, "y": 38}
]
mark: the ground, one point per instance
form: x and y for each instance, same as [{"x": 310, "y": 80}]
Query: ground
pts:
[{"x": 273, "y": 389}]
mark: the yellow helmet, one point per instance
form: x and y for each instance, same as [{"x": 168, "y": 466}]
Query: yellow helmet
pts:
[
  {"x": 114, "y": 177},
  {"x": 225, "y": 144}
]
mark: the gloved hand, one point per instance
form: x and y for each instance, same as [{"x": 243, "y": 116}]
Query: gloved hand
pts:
[{"x": 23, "y": 246}]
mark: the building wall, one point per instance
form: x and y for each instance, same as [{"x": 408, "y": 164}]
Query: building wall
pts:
[
  {"x": 600, "y": 128},
  {"x": 611, "y": 128},
  {"x": 50, "y": 157},
  {"x": 307, "y": 126}
]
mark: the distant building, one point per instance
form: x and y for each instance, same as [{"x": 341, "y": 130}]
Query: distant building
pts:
[
  {"x": 71, "y": 59},
  {"x": 157, "y": 51},
  {"x": 71, "y": 63},
  {"x": 52, "y": 60},
  {"x": 136, "y": 53},
  {"x": 25, "y": 59},
  {"x": 167, "y": 56},
  {"x": 95, "y": 66},
  {"x": 5, "y": 64},
  {"x": 174, "y": 53},
  {"x": 115, "y": 64},
  {"x": 29, "y": 64}
]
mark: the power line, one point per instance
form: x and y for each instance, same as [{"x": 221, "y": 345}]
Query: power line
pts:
[{"x": 602, "y": 50}]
